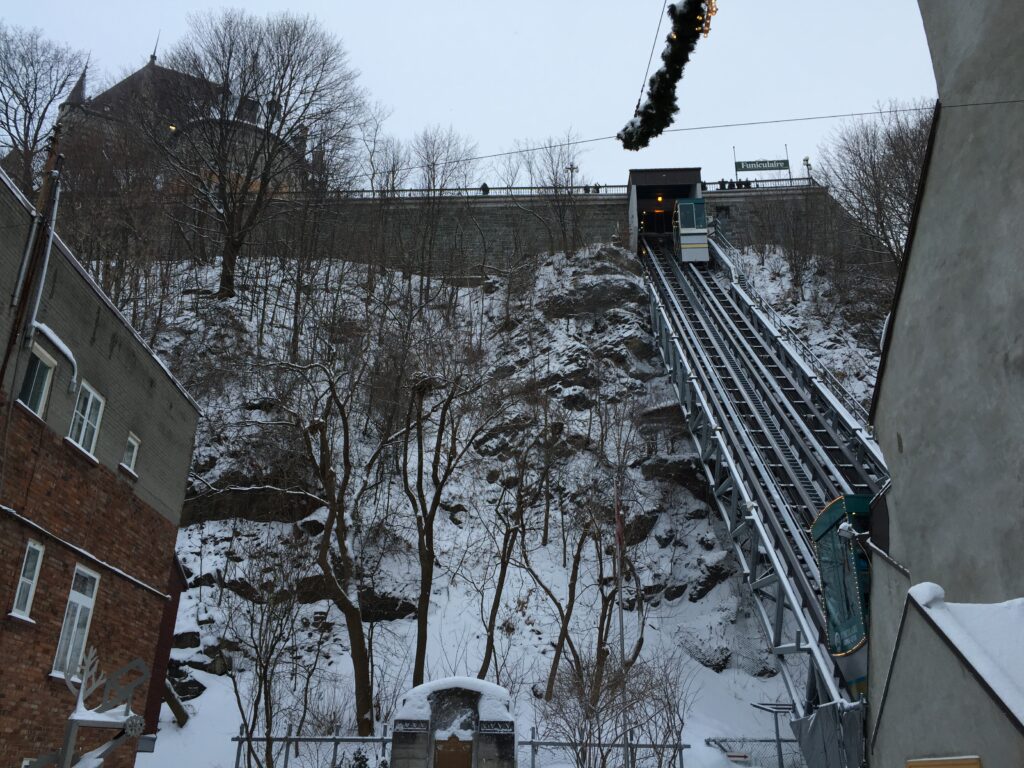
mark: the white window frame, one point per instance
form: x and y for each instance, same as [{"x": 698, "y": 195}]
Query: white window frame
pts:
[
  {"x": 51, "y": 365},
  {"x": 86, "y": 388},
  {"x": 134, "y": 441},
  {"x": 33, "y": 582},
  {"x": 82, "y": 601}
]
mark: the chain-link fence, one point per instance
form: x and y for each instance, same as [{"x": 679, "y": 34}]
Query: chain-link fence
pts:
[{"x": 759, "y": 753}]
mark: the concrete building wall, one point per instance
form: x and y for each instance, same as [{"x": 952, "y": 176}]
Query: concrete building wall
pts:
[
  {"x": 140, "y": 395},
  {"x": 956, "y": 717},
  {"x": 889, "y": 588},
  {"x": 948, "y": 411},
  {"x": 949, "y": 416}
]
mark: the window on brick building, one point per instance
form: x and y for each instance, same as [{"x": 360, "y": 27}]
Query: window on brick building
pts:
[
  {"x": 36, "y": 385},
  {"x": 85, "y": 424},
  {"x": 28, "y": 579},
  {"x": 131, "y": 452},
  {"x": 77, "y": 617}
]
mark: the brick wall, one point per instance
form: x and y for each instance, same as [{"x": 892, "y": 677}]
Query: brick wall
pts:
[{"x": 53, "y": 484}]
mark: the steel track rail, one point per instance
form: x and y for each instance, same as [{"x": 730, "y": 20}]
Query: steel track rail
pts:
[
  {"x": 825, "y": 395},
  {"x": 829, "y": 471},
  {"x": 787, "y": 537},
  {"x": 803, "y": 478},
  {"x": 844, "y": 464},
  {"x": 760, "y": 468},
  {"x": 781, "y": 610}
]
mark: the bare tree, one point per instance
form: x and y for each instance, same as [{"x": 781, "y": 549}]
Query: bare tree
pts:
[
  {"x": 442, "y": 161},
  {"x": 35, "y": 77},
  {"x": 556, "y": 166},
  {"x": 427, "y": 466},
  {"x": 275, "y": 656},
  {"x": 873, "y": 166},
  {"x": 254, "y": 100}
]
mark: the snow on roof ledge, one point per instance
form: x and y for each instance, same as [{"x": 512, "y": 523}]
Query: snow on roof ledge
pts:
[
  {"x": 494, "y": 700},
  {"x": 987, "y": 635}
]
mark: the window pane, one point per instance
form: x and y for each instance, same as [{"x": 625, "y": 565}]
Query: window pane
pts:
[
  {"x": 77, "y": 423},
  {"x": 94, "y": 412},
  {"x": 75, "y": 654},
  {"x": 89, "y": 437},
  {"x": 84, "y": 584},
  {"x": 21, "y": 599},
  {"x": 28, "y": 384},
  {"x": 33, "y": 387},
  {"x": 28, "y": 570},
  {"x": 70, "y": 616},
  {"x": 131, "y": 449}
]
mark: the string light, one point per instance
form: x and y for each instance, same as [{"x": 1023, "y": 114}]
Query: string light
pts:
[{"x": 711, "y": 10}]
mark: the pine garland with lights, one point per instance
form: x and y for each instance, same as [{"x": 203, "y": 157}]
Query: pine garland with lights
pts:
[{"x": 656, "y": 114}]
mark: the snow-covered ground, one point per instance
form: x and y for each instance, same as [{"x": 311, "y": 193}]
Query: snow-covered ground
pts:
[{"x": 582, "y": 329}]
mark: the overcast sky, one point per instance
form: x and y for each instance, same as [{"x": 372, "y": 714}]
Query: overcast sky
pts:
[{"x": 529, "y": 69}]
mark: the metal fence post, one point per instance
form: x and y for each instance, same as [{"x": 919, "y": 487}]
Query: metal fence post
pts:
[
  {"x": 533, "y": 747},
  {"x": 334, "y": 754},
  {"x": 238, "y": 752},
  {"x": 287, "y": 744}
]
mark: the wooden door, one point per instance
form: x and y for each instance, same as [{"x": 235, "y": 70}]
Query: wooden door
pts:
[{"x": 453, "y": 753}]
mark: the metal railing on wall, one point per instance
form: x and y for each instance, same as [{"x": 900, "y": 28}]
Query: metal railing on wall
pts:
[
  {"x": 339, "y": 751},
  {"x": 586, "y": 190},
  {"x": 740, "y": 185}
]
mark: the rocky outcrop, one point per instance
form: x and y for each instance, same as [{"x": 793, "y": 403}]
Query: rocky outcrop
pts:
[
  {"x": 715, "y": 567},
  {"x": 587, "y": 295},
  {"x": 684, "y": 470}
]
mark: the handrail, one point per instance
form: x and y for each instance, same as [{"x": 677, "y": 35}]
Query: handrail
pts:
[{"x": 824, "y": 373}]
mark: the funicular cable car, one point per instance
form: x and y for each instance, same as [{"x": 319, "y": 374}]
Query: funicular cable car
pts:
[{"x": 690, "y": 230}]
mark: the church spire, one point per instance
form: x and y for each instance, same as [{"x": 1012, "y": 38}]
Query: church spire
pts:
[
  {"x": 77, "y": 96},
  {"x": 152, "y": 56}
]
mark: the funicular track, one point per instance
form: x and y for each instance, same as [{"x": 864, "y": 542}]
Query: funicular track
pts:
[{"x": 777, "y": 447}]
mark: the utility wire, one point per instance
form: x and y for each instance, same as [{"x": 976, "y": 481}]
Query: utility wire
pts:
[
  {"x": 693, "y": 128},
  {"x": 718, "y": 126},
  {"x": 650, "y": 58}
]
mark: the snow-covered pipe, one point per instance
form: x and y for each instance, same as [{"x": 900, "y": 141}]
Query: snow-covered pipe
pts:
[
  {"x": 64, "y": 349},
  {"x": 30, "y": 323},
  {"x": 25, "y": 257}
]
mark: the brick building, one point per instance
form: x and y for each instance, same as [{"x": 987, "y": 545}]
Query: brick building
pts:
[{"x": 95, "y": 441}]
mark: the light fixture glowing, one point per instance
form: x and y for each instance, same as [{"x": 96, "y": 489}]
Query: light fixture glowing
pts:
[{"x": 659, "y": 198}]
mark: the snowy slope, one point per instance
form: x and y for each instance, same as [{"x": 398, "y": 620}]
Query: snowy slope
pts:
[{"x": 581, "y": 330}]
